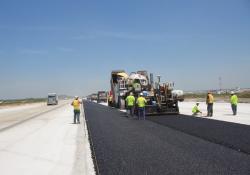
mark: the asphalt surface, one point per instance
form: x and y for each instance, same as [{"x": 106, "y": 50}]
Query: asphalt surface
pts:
[
  {"x": 123, "y": 145},
  {"x": 231, "y": 135}
]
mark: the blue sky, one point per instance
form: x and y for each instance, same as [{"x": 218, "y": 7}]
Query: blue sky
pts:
[{"x": 70, "y": 47}]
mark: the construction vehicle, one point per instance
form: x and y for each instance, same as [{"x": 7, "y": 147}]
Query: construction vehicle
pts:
[
  {"x": 161, "y": 97},
  {"x": 93, "y": 97},
  {"x": 52, "y": 99},
  {"x": 102, "y": 96},
  {"x": 118, "y": 89}
]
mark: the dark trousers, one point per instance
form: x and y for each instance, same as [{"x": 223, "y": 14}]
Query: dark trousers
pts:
[
  {"x": 130, "y": 110},
  {"x": 141, "y": 113},
  {"x": 210, "y": 109},
  {"x": 234, "y": 109},
  {"x": 196, "y": 113},
  {"x": 76, "y": 116}
]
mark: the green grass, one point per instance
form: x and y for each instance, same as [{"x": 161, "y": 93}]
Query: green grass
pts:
[{"x": 21, "y": 101}]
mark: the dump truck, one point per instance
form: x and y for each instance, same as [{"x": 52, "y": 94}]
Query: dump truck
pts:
[{"x": 161, "y": 97}]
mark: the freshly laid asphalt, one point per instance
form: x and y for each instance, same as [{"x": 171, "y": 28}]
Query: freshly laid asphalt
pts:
[
  {"x": 165, "y": 144},
  {"x": 231, "y": 135}
]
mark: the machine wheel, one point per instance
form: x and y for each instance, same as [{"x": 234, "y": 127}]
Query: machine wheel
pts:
[{"x": 177, "y": 108}]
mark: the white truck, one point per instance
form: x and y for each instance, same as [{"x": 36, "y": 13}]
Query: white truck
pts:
[{"x": 52, "y": 99}]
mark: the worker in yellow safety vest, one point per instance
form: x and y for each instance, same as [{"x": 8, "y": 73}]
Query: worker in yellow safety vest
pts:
[
  {"x": 76, "y": 104},
  {"x": 210, "y": 102},
  {"x": 196, "y": 109},
  {"x": 234, "y": 102},
  {"x": 141, "y": 103},
  {"x": 130, "y": 104}
]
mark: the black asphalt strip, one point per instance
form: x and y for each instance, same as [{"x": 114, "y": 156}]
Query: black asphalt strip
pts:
[{"x": 135, "y": 147}]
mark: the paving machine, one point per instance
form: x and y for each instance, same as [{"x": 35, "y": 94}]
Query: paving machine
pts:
[
  {"x": 161, "y": 97},
  {"x": 118, "y": 90}
]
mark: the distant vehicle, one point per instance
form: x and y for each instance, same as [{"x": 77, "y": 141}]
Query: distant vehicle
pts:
[
  {"x": 102, "y": 96},
  {"x": 52, "y": 99},
  {"x": 93, "y": 97}
]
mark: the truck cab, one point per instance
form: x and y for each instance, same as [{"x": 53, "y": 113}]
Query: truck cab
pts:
[
  {"x": 102, "y": 96},
  {"x": 52, "y": 99}
]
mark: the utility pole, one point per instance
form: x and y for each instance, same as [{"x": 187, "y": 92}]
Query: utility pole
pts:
[{"x": 220, "y": 83}]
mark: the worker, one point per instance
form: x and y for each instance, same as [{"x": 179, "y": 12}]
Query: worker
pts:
[
  {"x": 141, "y": 103},
  {"x": 196, "y": 110},
  {"x": 234, "y": 102},
  {"x": 76, "y": 104},
  {"x": 210, "y": 102},
  {"x": 137, "y": 85},
  {"x": 130, "y": 103}
]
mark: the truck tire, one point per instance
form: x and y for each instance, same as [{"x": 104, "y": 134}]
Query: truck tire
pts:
[{"x": 177, "y": 108}]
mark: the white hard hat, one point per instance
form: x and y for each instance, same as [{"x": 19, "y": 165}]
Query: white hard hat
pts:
[
  {"x": 141, "y": 94},
  {"x": 232, "y": 92},
  {"x": 76, "y": 96}
]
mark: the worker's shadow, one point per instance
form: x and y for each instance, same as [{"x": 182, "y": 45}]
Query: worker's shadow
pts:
[{"x": 228, "y": 115}]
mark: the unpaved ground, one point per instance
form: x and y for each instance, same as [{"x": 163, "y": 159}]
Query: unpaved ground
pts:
[
  {"x": 222, "y": 111},
  {"x": 218, "y": 99}
]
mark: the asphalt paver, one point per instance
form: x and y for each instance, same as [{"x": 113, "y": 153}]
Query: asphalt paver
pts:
[{"x": 123, "y": 145}]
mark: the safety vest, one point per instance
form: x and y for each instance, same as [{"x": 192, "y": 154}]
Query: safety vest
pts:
[
  {"x": 76, "y": 104},
  {"x": 195, "y": 109},
  {"x": 130, "y": 100},
  {"x": 234, "y": 100},
  {"x": 210, "y": 98},
  {"x": 141, "y": 102}
]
